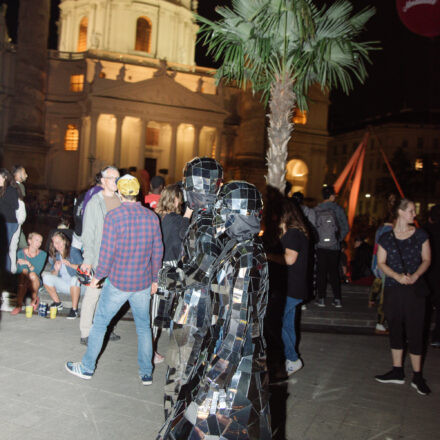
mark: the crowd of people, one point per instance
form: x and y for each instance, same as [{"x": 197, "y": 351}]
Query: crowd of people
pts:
[{"x": 189, "y": 259}]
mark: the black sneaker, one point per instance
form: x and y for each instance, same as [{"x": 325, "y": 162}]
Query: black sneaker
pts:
[
  {"x": 420, "y": 385},
  {"x": 392, "y": 376},
  {"x": 58, "y": 305},
  {"x": 73, "y": 314},
  {"x": 337, "y": 303}
]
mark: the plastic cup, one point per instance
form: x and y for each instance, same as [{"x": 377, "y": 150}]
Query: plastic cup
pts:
[
  {"x": 29, "y": 311},
  {"x": 53, "y": 312}
]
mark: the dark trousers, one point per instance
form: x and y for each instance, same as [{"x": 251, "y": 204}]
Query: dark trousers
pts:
[
  {"x": 327, "y": 262},
  {"x": 405, "y": 313}
]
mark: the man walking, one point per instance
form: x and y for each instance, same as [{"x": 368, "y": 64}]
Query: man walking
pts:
[
  {"x": 130, "y": 257},
  {"x": 93, "y": 222},
  {"x": 332, "y": 227}
]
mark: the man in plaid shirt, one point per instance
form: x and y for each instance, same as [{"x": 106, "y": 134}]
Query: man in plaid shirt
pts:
[{"x": 130, "y": 258}]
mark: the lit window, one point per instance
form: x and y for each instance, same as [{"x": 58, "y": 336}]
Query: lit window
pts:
[
  {"x": 143, "y": 34},
  {"x": 152, "y": 136},
  {"x": 71, "y": 139},
  {"x": 418, "y": 166},
  {"x": 82, "y": 36},
  {"x": 76, "y": 83},
  {"x": 297, "y": 174},
  {"x": 417, "y": 205},
  {"x": 300, "y": 116}
]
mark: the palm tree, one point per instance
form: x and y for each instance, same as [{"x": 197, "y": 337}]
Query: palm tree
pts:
[{"x": 281, "y": 47}]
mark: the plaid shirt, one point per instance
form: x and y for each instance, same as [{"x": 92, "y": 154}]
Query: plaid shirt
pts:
[{"x": 131, "y": 248}]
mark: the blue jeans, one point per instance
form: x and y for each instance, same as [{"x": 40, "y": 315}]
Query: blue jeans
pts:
[
  {"x": 288, "y": 331},
  {"x": 110, "y": 301}
]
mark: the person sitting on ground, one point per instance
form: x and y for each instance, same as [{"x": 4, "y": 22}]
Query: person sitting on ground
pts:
[
  {"x": 174, "y": 227},
  {"x": 65, "y": 259},
  {"x": 30, "y": 263},
  {"x": 156, "y": 186}
]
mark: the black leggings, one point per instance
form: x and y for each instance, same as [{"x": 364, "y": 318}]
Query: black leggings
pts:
[{"x": 405, "y": 313}]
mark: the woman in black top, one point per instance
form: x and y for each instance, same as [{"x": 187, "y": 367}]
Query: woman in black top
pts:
[
  {"x": 295, "y": 241},
  {"x": 9, "y": 195},
  {"x": 174, "y": 227},
  {"x": 403, "y": 256}
]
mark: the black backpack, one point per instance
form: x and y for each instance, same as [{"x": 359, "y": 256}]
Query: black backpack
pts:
[{"x": 327, "y": 227}]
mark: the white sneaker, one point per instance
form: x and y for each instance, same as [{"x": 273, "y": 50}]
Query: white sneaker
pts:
[
  {"x": 381, "y": 327},
  {"x": 293, "y": 366}
]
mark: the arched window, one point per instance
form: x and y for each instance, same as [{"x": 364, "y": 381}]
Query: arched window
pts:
[
  {"x": 297, "y": 173},
  {"x": 82, "y": 35},
  {"x": 143, "y": 34},
  {"x": 71, "y": 138}
]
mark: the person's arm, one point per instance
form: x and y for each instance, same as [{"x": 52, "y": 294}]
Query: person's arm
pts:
[
  {"x": 89, "y": 235},
  {"x": 107, "y": 250},
  {"x": 157, "y": 254},
  {"x": 184, "y": 224},
  {"x": 291, "y": 243},
  {"x": 381, "y": 262},
  {"x": 288, "y": 258},
  {"x": 343, "y": 223},
  {"x": 426, "y": 261}
]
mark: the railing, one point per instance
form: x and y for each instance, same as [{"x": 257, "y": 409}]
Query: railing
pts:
[{"x": 59, "y": 55}]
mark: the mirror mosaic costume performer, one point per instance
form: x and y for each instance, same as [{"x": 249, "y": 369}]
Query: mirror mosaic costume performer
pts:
[
  {"x": 184, "y": 289},
  {"x": 227, "y": 395}
]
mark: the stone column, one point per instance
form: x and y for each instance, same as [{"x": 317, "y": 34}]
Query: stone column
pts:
[
  {"x": 196, "y": 145},
  {"x": 218, "y": 147},
  {"x": 25, "y": 141},
  {"x": 92, "y": 149},
  {"x": 173, "y": 153},
  {"x": 142, "y": 143},
  {"x": 118, "y": 136}
]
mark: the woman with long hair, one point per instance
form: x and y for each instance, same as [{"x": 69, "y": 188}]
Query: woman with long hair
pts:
[
  {"x": 295, "y": 241},
  {"x": 30, "y": 263},
  {"x": 9, "y": 197},
  {"x": 65, "y": 259},
  {"x": 404, "y": 255},
  {"x": 174, "y": 227}
]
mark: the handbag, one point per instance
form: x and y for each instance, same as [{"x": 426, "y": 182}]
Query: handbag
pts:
[{"x": 421, "y": 288}]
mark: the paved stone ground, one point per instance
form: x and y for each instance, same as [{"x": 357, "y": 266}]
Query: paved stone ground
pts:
[{"x": 333, "y": 397}]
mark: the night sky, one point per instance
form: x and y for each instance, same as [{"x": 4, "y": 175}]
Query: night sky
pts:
[{"x": 404, "y": 75}]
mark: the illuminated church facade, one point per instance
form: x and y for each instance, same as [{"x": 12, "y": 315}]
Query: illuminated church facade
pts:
[{"x": 123, "y": 89}]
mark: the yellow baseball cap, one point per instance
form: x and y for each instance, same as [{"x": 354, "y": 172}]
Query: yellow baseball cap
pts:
[{"x": 128, "y": 185}]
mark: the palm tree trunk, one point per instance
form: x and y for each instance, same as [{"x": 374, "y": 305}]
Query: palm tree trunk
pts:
[{"x": 281, "y": 104}]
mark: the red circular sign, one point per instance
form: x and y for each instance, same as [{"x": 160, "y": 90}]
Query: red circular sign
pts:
[{"x": 420, "y": 16}]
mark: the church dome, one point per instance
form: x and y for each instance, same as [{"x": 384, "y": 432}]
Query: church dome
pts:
[{"x": 163, "y": 29}]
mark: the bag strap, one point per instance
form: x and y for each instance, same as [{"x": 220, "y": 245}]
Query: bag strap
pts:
[{"x": 400, "y": 253}]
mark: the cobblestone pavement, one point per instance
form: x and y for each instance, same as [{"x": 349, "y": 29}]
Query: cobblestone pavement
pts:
[{"x": 333, "y": 397}]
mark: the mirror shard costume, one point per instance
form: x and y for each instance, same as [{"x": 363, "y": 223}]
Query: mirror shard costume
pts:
[
  {"x": 226, "y": 394},
  {"x": 185, "y": 288}
]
